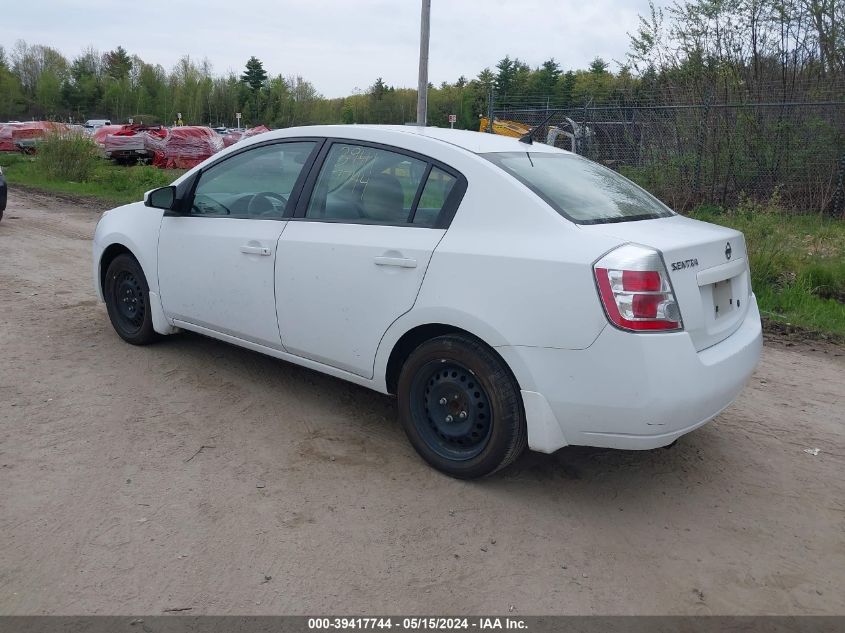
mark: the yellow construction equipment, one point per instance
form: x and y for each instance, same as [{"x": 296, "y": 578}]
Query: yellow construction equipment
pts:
[{"x": 505, "y": 128}]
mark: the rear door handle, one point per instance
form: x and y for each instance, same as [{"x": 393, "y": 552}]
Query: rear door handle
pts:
[
  {"x": 400, "y": 262},
  {"x": 255, "y": 250}
]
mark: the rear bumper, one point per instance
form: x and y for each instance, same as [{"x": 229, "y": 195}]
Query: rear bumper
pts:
[
  {"x": 631, "y": 391},
  {"x": 128, "y": 151}
]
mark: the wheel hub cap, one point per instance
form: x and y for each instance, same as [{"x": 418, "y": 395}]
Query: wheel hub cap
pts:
[
  {"x": 454, "y": 415},
  {"x": 129, "y": 299}
]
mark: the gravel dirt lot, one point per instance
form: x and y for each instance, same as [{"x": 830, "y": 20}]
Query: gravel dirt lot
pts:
[{"x": 193, "y": 474}]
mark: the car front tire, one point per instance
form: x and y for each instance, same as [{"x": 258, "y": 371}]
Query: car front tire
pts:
[
  {"x": 461, "y": 407},
  {"x": 127, "y": 298}
]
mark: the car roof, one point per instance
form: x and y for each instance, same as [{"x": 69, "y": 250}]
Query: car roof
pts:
[
  {"x": 396, "y": 135},
  {"x": 476, "y": 142}
]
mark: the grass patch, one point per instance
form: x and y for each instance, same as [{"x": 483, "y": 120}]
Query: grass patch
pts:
[
  {"x": 112, "y": 183},
  {"x": 797, "y": 265}
]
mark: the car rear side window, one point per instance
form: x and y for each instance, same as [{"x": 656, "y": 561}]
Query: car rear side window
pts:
[
  {"x": 434, "y": 196},
  {"x": 359, "y": 183},
  {"x": 579, "y": 189}
]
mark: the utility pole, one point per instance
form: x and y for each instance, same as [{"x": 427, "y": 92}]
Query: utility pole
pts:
[
  {"x": 490, "y": 111},
  {"x": 422, "y": 87}
]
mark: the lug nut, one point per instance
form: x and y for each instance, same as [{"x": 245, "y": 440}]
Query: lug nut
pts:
[
  {"x": 443, "y": 401},
  {"x": 463, "y": 415},
  {"x": 449, "y": 418}
]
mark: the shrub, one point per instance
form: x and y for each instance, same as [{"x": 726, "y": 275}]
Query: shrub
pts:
[
  {"x": 131, "y": 181},
  {"x": 70, "y": 156}
]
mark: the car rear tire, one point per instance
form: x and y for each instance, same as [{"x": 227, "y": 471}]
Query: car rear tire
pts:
[
  {"x": 461, "y": 407},
  {"x": 127, "y": 298}
]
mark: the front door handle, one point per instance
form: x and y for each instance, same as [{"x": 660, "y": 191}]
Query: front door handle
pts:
[
  {"x": 255, "y": 250},
  {"x": 400, "y": 262}
]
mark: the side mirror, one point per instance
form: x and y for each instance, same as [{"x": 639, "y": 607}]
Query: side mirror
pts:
[{"x": 162, "y": 198}]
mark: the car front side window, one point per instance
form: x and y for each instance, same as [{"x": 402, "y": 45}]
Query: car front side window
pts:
[{"x": 254, "y": 184}]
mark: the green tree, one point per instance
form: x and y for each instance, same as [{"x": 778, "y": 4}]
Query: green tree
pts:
[
  {"x": 118, "y": 63},
  {"x": 598, "y": 66},
  {"x": 11, "y": 96},
  {"x": 566, "y": 88},
  {"x": 505, "y": 75},
  {"x": 544, "y": 80},
  {"x": 254, "y": 75},
  {"x": 378, "y": 89},
  {"x": 30, "y": 62},
  {"x": 83, "y": 89},
  {"x": 486, "y": 79}
]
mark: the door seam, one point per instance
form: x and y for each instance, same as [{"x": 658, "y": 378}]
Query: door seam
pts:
[{"x": 413, "y": 303}]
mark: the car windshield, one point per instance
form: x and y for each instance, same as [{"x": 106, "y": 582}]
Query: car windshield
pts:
[{"x": 579, "y": 189}]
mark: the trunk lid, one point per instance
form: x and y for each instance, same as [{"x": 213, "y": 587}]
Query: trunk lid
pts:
[{"x": 707, "y": 265}]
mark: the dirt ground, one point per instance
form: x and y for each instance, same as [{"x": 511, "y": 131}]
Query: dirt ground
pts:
[{"x": 193, "y": 474}]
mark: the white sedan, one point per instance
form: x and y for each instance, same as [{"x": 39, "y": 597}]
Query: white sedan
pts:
[{"x": 506, "y": 293}]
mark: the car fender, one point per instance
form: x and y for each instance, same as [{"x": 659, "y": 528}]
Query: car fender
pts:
[
  {"x": 450, "y": 317},
  {"x": 544, "y": 433},
  {"x": 135, "y": 227}
]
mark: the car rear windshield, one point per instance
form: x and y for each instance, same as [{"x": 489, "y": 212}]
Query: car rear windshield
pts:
[{"x": 579, "y": 189}]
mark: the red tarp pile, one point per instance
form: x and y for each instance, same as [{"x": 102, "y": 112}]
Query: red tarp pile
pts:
[
  {"x": 16, "y": 137},
  {"x": 234, "y": 135},
  {"x": 183, "y": 147},
  {"x": 7, "y": 144},
  {"x": 131, "y": 141},
  {"x": 101, "y": 133}
]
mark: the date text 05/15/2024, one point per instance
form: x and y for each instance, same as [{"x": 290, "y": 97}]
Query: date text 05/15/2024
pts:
[{"x": 417, "y": 623}]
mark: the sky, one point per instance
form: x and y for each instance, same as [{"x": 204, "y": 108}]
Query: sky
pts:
[{"x": 340, "y": 46}]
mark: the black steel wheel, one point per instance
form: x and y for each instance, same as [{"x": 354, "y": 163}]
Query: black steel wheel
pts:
[
  {"x": 127, "y": 298},
  {"x": 454, "y": 408},
  {"x": 461, "y": 407}
]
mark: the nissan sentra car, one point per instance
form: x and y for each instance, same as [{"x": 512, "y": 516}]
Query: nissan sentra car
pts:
[{"x": 508, "y": 294}]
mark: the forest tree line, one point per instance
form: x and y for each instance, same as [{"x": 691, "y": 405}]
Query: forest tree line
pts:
[{"x": 688, "y": 51}]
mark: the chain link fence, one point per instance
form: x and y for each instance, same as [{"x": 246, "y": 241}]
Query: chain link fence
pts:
[{"x": 718, "y": 152}]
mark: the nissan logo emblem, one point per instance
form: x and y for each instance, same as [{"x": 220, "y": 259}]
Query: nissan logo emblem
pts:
[{"x": 728, "y": 251}]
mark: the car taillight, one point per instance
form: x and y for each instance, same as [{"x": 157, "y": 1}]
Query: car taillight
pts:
[{"x": 635, "y": 290}]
